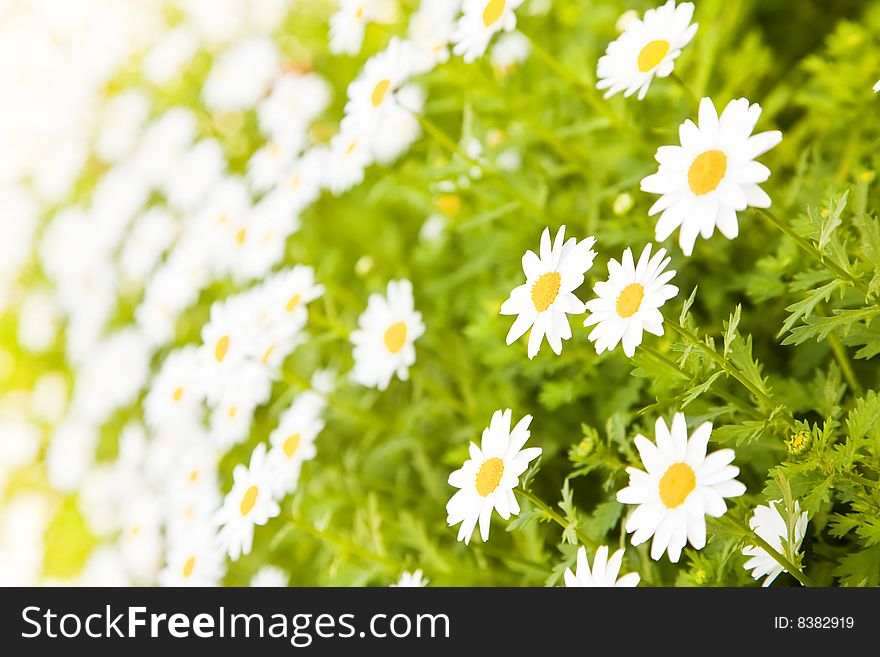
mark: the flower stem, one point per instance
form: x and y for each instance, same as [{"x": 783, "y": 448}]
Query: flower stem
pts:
[
  {"x": 552, "y": 514},
  {"x": 813, "y": 251},
  {"x": 844, "y": 362},
  {"x": 789, "y": 567},
  {"x": 684, "y": 86}
]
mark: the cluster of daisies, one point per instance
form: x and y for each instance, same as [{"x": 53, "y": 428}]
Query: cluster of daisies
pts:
[{"x": 702, "y": 184}]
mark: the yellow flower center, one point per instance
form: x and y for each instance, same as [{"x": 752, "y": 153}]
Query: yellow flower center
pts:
[
  {"x": 178, "y": 394},
  {"x": 193, "y": 476},
  {"x": 493, "y": 11},
  {"x": 652, "y": 54},
  {"x": 706, "y": 171},
  {"x": 629, "y": 300},
  {"x": 293, "y": 303},
  {"x": 395, "y": 337},
  {"x": 241, "y": 236},
  {"x": 188, "y": 567},
  {"x": 489, "y": 475},
  {"x": 249, "y": 499},
  {"x": 221, "y": 348},
  {"x": 291, "y": 445},
  {"x": 232, "y": 411},
  {"x": 379, "y": 92},
  {"x": 677, "y": 484},
  {"x": 545, "y": 290},
  {"x": 267, "y": 354}
]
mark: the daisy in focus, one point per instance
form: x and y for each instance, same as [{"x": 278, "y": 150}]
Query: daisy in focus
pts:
[
  {"x": 647, "y": 48},
  {"x": 487, "y": 479},
  {"x": 249, "y": 503},
  {"x": 543, "y": 301},
  {"x": 603, "y": 573},
  {"x": 681, "y": 486},
  {"x": 769, "y": 523},
  {"x": 713, "y": 174},
  {"x": 480, "y": 20},
  {"x": 411, "y": 580},
  {"x": 385, "y": 337},
  {"x": 629, "y": 302}
]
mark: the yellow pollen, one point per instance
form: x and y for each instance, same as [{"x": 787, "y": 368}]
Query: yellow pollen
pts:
[
  {"x": 706, "y": 171},
  {"x": 188, "y": 567},
  {"x": 489, "y": 475},
  {"x": 135, "y": 531},
  {"x": 652, "y": 54},
  {"x": 630, "y": 299},
  {"x": 379, "y": 92},
  {"x": 677, "y": 484},
  {"x": 249, "y": 499},
  {"x": 293, "y": 303},
  {"x": 193, "y": 476},
  {"x": 351, "y": 147},
  {"x": 241, "y": 236},
  {"x": 221, "y": 348},
  {"x": 274, "y": 149},
  {"x": 545, "y": 290},
  {"x": 232, "y": 411},
  {"x": 267, "y": 354},
  {"x": 395, "y": 337},
  {"x": 291, "y": 445},
  {"x": 359, "y": 14},
  {"x": 295, "y": 181},
  {"x": 493, "y": 11},
  {"x": 178, "y": 394}
]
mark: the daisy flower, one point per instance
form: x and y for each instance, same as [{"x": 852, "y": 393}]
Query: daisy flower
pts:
[
  {"x": 196, "y": 559},
  {"x": 293, "y": 440},
  {"x": 604, "y": 572},
  {"x": 249, "y": 503},
  {"x": 647, "y": 48},
  {"x": 681, "y": 486},
  {"x": 480, "y": 20},
  {"x": 348, "y": 24},
  {"x": 385, "y": 337},
  {"x": 240, "y": 76},
  {"x": 176, "y": 392},
  {"x": 876, "y": 86},
  {"x": 225, "y": 345},
  {"x": 769, "y": 523},
  {"x": 347, "y": 158},
  {"x": 713, "y": 174},
  {"x": 543, "y": 301},
  {"x": 629, "y": 302},
  {"x": 411, "y": 580},
  {"x": 487, "y": 479}
]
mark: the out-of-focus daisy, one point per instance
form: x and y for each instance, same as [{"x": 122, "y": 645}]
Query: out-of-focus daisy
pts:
[
  {"x": 38, "y": 319},
  {"x": 225, "y": 345},
  {"x": 480, "y": 20},
  {"x": 487, "y": 479},
  {"x": 430, "y": 30},
  {"x": 193, "y": 174},
  {"x": 712, "y": 175},
  {"x": 168, "y": 58},
  {"x": 349, "y": 155},
  {"x": 769, "y": 523},
  {"x": 295, "y": 100},
  {"x": 150, "y": 237},
  {"x": 233, "y": 411},
  {"x": 681, "y": 486},
  {"x": 241, "y": 75},
  {"x": 176, "y": 392},
  {"x": 269, "y": 577},
  {"x": 293, "y": 440},
  {"x": 547, "y": 296},
  {"x": 876, "y": 86},
  {"x": 629, "y": 302},
  {"x": 603, "y": 573},
  {"x": 121, "y": 124},
  {"x": 248, "y": 504},
  {"x": 509, "y": 51},
  {"x": 411, "y": 579},
  {"x": 647, "y": 48},
  {"x": 348, "y": 24},
  {"x": 385, "y": 337},
  {"x": 196, "y": 559}
]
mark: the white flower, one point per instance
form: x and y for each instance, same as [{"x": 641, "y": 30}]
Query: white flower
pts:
[
  {"x": 241, "y": 75},
  {"x": 347, "y": 25},
  {"x": 164, "y": 139},
  {"x": 195, "y": 559},
  {"x": 168, "y": 58},
  {"x": 269, "y": 163},
  {"x": 411, "y": 579},
  {"x": 681, "y": 486},
  {"x": 629, "y": 302},
  {"x": 293, "y": 440},
  {"x": 226, "y": 343},
  {"x": 233, "y": 411},
  {"x": 876, "y": 86},
  {"x": 547, "y": 296},
  {"x": 349, "y": 155},
  {"x": 300, "y": 184},
  {"x": 487, "y": 479},
  {"x": 769, "y": 523},
  {"x": 38, "y": 319},
  {"x": 192, "y": 175},
  {"x": 296, "y": 99},
  {"x": 121, "y": 124},
  {"x": 604, "y": 572},
  {"x": 510, "y": 50},
  {"x": 269, "y": 577},
  {"x": 430, "y": 30},
  {"x": 176, "y": 393},
  {"x": 647, "y": 48},
  {"x": 712, "y": 175},
  {"x": 479, "y": 22},
  {"x": 147, "y": 242},
  {"x": 249, "y": 503},
  {"x": 140, "y": 541},
  {"x": 384, "y": 340}
]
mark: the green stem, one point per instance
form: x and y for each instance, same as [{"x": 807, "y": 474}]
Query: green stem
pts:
[
  {"x": 724, "y": 364},
  {"x": 813, "y": 251},
  {"x": 684, "y": 87},
  {"x": 845, "y": 365},
  {"x": 551, "y": 514},
  {"x": 796, "y": 572},
  {"x": 346, "y": 546}
]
